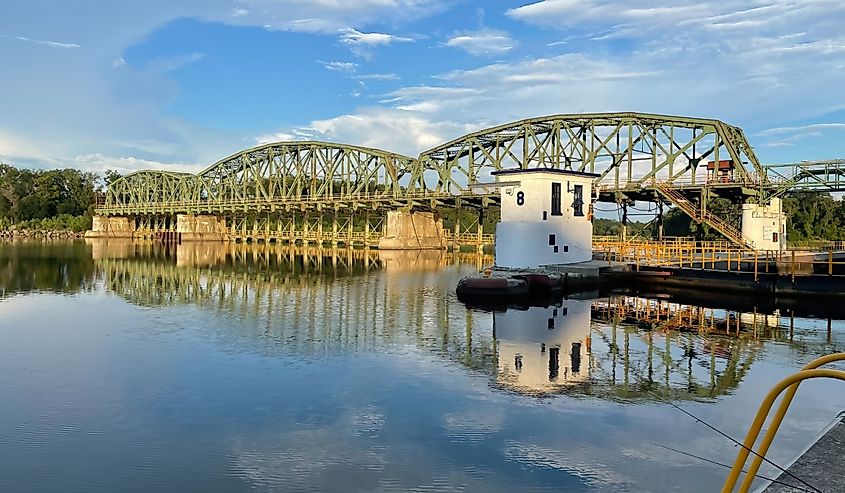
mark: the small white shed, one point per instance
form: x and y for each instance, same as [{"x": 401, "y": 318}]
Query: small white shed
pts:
[
  {"x": 546, "y": 217},
  {"x": 764, "y": 226}
]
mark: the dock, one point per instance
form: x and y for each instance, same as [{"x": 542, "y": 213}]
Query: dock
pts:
[
  {"x": 719, "y": 266},
  {"x": 588, "y": 274},
  {"x": 821, "y": 465}
]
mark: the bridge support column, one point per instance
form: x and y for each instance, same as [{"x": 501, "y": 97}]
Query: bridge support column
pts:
[
  {"x": 624, "y": 221},
  {"x": 111, "y": 227},
  {"x": 367, "y": 230},
  {"x": 479, "y": 239},
  {"x": 764, "y": 226},
  {"x": 660, "y": 220},
  {"x": 334, "y": 229},
  {"x": 201, "y": 228},
  {"x": 413, "y": 231}
]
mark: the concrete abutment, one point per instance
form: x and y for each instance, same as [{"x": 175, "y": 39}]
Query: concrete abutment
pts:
[
  {"x": 111, "y": 227},
  {"x": 203, "y": 227},
  {"x": 413, "y": 231}
]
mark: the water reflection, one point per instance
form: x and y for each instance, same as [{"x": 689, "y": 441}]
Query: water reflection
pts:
[
  {"x": 543, "y": 350},
  {"x": 60, "y": 266},
  {"x": 235, "y": 367},
  {"x": 315, "y": 300}
]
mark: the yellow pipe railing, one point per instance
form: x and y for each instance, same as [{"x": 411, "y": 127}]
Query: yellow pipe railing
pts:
[
  {"x": 778, "y": 418},
  {"x": 718, "y": 255},
  {"x": 811, "y": 371}
]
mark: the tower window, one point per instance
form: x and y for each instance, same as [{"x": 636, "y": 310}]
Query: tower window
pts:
[
  {"x": 556, "y": 199},
  {"x": 578, "y": 200},
  {"x": 554, "y": 363}
]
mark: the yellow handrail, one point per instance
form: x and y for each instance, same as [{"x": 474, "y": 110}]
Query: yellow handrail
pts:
[
  {"x": 763, "y": 412},
  {"x": 778, "y": 418}
]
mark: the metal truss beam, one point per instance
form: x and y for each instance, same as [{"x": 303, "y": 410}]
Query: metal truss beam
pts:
[{"x": 637, "y": 156}]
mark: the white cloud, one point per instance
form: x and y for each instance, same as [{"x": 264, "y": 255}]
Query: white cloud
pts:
[
  {"x": 615, "y": 18},
  {"x": 91, "y": 109},
  {"x": 99, "y": 163},
  {"x": 814, "y": 127},
  {"x": 169, "y": 64},
  {"x": 340, "y": 66},
  {"x": 467, "y": 100},
  {"x": 331, "y": 16},
  {"x": 775, "y": 62},
  {"x": 483, "y": 42},
  {"x": 15, "y": 147},
  {"x": 389, "y": 76},
  {"x": 354, "y": 37},
  {"x": 789, "y": 136},
  {"x": 54, "y": 44},
  {"x": 362, "y": 43},
  {"x": 392, "y": 129},
  {"x": 572, "y": 13}
]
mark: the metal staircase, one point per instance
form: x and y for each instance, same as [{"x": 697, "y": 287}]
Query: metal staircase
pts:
[{"x": 691, "y": 209}]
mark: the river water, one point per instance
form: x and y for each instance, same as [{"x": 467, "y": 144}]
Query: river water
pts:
[{"x": 210, "y": 367}]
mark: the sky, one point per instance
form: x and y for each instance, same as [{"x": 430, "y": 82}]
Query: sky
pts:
[{"x": 180, "y": 84}]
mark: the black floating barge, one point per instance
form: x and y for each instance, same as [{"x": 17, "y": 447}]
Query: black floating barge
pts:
[{"x": 538, "y": 286}]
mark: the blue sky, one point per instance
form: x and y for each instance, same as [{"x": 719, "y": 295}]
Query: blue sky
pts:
[{"x": 178, "y": 84}]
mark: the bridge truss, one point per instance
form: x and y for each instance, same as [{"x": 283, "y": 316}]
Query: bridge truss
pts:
[{"x": 638, "y": 157}]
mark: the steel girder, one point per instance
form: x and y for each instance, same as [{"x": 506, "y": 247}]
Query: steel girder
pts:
[
  {"x": 820, "y": 176},
  {"x": 148, "y": 186},
  {"x": 292, "y": 170},
  {"x": 631, "y": 152},
  {"x": 286, "y": 174},
  {"x": 627, "y": 150}
]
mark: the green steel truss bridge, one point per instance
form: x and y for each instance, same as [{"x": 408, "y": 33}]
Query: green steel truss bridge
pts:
[{"x": 663, "y": 159}]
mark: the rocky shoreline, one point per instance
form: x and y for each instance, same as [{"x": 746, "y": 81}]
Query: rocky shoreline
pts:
[{"x": 10, "y": 234}]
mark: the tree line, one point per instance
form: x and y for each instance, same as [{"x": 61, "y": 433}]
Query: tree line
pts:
[{"x": 47, "y": 199}]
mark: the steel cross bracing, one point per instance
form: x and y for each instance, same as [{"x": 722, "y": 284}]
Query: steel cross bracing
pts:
[
  {"x": 630, "y": 151},
  {"x": 637, "y": 156},
  {"x": 824, "y": 176},
  {"x": 279, "y": 176}
]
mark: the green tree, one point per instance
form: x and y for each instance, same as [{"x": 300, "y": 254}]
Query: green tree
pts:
[{"x": 813, "y": 216}]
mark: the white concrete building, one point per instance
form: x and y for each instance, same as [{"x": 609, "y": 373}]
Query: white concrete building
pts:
[
  {"x": 546, "y": 217},
  {"x": 764, "y": 226}
]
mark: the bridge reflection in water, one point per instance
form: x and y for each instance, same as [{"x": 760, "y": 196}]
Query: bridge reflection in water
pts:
[{"x": 313, "y": 301}]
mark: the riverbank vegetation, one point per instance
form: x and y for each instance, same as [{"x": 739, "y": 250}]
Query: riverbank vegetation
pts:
[{"x": 46, "y": 200}]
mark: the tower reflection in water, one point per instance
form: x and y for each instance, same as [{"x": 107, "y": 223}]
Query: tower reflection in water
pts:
[{"x": 542, "y": 349}]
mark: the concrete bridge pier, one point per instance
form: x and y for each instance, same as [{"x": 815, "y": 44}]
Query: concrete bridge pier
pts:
[
  {"x": 407, "y": 230},
  {"x": 111, "y": 227},
  {"x": 203, "y": 227}
]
